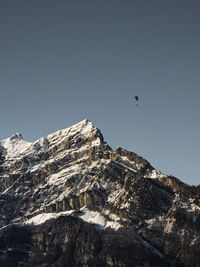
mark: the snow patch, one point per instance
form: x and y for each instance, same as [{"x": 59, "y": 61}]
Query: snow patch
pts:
[
  {"x": 85, "y": 214},
  {"x": 154, "y": 174},
  {"x": 43, "y": 217},
  {"x": 95, "y": 217}
]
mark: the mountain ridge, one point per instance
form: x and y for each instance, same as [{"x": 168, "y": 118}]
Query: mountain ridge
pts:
[{"x": 73, "y": 175}]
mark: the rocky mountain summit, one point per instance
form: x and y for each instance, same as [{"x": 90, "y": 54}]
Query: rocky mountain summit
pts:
[{"x": 68, "y": 199}]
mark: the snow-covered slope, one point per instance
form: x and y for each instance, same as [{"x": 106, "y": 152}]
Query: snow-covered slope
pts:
[{"x": 74, "y": 173}]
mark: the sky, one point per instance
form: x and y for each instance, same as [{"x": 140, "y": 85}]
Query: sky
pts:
[{"x": 64, "y": 61}]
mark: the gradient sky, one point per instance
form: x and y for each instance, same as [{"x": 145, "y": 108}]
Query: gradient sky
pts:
[{"x": 64, "y": 61}]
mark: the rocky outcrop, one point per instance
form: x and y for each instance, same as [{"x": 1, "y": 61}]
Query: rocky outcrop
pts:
[
  {"x": 80, "y": 203},
  {"x": 69, "y": 241}
]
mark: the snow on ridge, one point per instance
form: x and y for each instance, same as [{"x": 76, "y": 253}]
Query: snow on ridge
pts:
[
  {"x": 154, "y": 174},
  {"x": 87, "y": 215},
  {"x": 43, "y": 217},
  {"x": 95, "y": 217},
  {"x": 15, "y": 146},
  {"x": 84, "y": 127}
]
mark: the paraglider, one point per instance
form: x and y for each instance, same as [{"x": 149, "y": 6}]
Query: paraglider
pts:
[{"x": 137, "y": 99}]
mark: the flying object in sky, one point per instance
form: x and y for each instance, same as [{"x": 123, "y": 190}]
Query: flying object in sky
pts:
[{"x": 136, "y": 98}]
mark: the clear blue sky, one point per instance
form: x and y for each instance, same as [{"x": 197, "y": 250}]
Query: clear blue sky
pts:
[{"x": 64, "y": 61}]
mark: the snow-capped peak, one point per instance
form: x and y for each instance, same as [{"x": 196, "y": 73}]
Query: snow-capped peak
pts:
[{"x": 14, "y": 145}]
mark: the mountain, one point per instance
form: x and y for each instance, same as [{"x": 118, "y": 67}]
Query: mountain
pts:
[{"x": 68, "y": 199}]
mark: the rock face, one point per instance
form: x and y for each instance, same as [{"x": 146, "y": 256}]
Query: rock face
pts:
[{"x": 68, "y": 199}]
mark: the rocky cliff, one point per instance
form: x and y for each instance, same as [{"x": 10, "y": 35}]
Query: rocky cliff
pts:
[{"x": 68, "y": 199}]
